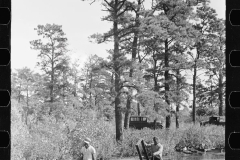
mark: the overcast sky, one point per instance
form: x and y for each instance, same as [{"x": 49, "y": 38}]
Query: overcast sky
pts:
[{"x": 79, "y": 20}]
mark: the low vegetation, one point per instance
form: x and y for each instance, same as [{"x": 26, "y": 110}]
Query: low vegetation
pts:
[
  {"x": 51, "y": 139},
  {"x": 213, "y": 136}
]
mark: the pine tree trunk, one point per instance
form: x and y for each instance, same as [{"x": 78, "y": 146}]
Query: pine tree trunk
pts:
[
  {"x": 90, "y": 88},
  {"x": 177, "y": 116},
  {"x": 51, "y": 90},
  {"x": 27, "y": 96},
  {"x": 220, "y": 94},
  {"x": 128, "y": 112},
  {"x": 19, "y": 95},
  {"x": 75, "y": 87},
  {"x": 166, "y": 75},
  {"x": 52, "y": 81},
  {"x": 178, "y": 101},
  {"x": 194, "y": 93},
  {"x": 156, "y": 88},
  {"x": 168, "y": 121},
  {"x": 116, "y": 55},
  {"x": 51, "y": 93},
  {"x": 194, "y": 86},
  {"x": 138, "y": 109},
  {"x": 134, "y": 54},
  {"x": 118, "y": 111}
]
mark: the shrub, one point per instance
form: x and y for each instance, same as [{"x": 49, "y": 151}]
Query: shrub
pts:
[
  {"x": 101, "y": 134},
  {"x": 186, "y": 135},
  {"x": 21, "y": 139},
  {"x": 167, "y": 139},
  {"x": 60, "y": 135},
  {"x": 209, "y": 136}
]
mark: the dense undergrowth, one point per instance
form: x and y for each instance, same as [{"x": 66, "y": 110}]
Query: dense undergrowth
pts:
[
  {"x": 212, "y": 136},
  {"x": 50, "y": 139}
]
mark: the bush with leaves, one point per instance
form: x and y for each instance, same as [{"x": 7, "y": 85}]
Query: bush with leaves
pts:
[
  {"x": 49, "y": 139},
  {"x": 186, "y": 135},
  {"x": 21, "y": 138},
  {"x": 168, "y": 139},
  {"x": 101, "y": 134},
  {"x": 202, "y": 137}
]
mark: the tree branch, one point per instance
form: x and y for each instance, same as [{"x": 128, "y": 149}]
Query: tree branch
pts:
[
  {"x": 121, "y": 5},
  {"x": 108, "y": 3},
  {"x": 126, "y": 8},
  {"x": 92, "y": 2},
  {"x": 130, "y": 86}
]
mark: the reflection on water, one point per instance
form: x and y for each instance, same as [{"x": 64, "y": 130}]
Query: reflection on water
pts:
[{"x": 197, "y": 156}]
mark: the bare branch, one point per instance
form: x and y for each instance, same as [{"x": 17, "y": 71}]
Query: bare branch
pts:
[
  {"x": 139, "y": 57},
  {"x": 126, "y": 39},
  {"x": 122, "y": 3},
  {"x": 130, "y": 86},
  {"x": 92, "y": 2},
  {"x": 126, "y": 8},
  {"x": 109, "y": 4},
  {"x": 109, "y": 8},
  {"x": 46, "y": 55},
  {"x": 125, "y": 34}
]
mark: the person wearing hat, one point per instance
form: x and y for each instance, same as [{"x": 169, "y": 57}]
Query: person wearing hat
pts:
[
  {"x": 88, "y": 152},
  {"x": 156, "y": 149}
]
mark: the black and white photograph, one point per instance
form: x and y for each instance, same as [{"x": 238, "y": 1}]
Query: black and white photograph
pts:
[{"x": 118, "y": 79}]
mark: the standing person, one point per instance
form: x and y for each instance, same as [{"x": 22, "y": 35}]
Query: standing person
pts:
[
  {"x": 88, "y": 152},
  {"x": 156, "y": 149}
]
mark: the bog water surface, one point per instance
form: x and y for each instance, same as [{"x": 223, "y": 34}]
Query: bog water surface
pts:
[{"x": 182, "y": 156}]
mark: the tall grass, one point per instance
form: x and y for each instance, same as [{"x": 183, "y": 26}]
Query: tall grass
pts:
[
  {"x": 51, "y": 139},
  {"x": 191, "y": 135},
  {"x": 209, "y": 136},
  {"x": 103, "y": 137}
]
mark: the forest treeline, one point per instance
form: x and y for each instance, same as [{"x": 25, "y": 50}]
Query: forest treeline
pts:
[{"x": 166, "y": 55}]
